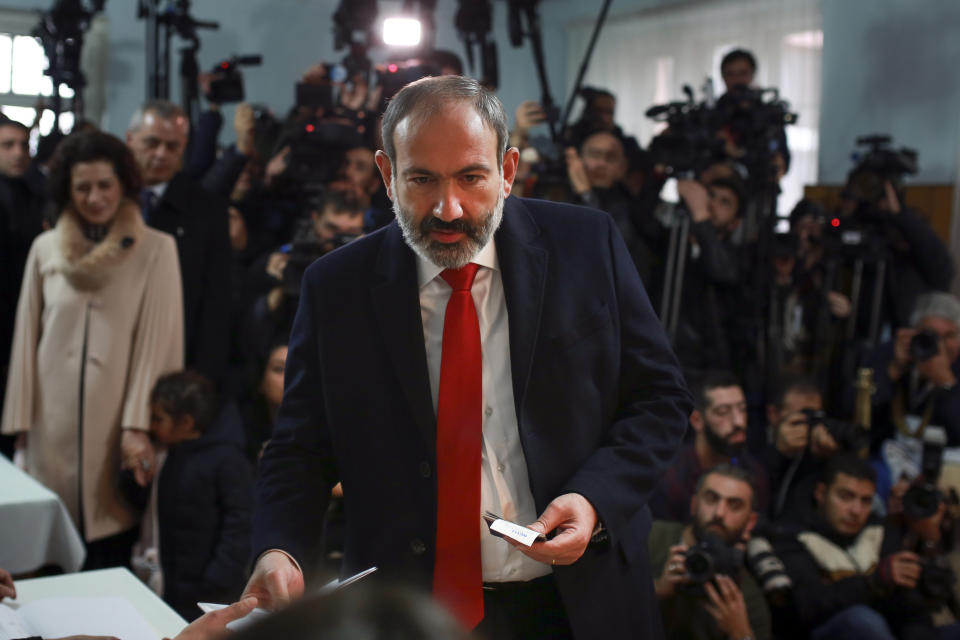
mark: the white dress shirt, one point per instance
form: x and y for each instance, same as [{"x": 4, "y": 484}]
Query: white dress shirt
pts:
[{"x": 505, "y": 485}]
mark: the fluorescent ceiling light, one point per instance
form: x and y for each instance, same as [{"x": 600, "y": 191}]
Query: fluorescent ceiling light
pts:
[{"x": 401, "y": 32}]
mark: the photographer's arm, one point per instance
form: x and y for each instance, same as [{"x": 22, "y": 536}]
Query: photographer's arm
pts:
[{"x": 931, "y": 256}]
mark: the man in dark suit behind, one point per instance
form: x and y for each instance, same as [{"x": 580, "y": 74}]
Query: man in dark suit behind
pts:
[
  {"x": 173, "y": 202},
  {"x": 546, "y": 392}
]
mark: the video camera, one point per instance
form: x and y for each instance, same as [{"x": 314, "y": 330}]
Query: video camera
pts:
[
  {"x": 227, "y": 85},
  {"x": 923, "y": 497},
  {"x": 849, "y": 437},
  {"x": 924, "y": 345},
  {"x": 753, "y": 119},
  {"x": 879, "y": 164}
]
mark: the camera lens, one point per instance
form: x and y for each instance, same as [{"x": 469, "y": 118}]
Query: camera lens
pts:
[{"x": 924, "y": 345}]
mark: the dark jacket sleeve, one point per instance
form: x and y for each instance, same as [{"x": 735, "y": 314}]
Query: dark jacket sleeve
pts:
[
  {"x": 298, "y": 469},
  {"x": 234, "y": 481},
  {"x": 931, "y": 256},
  {"x": 223, "y": 174},
  {"x": 202, "y": 150},
  {"x": 718, "y": 261},
  {"x": 652, "y": 409}
]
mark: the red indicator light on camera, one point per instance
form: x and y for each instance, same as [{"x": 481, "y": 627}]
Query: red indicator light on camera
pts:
[
  {"x": 835, "y": 222},
  {"x": 224, "y": 65},
  {"x": 310, "y": 128},
  {"x": 392, "y": 68}
]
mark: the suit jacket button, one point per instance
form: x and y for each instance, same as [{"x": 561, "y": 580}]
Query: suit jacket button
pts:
[
  {"x": 417, "y": 546},
  {"x": 425, "y": 469}
]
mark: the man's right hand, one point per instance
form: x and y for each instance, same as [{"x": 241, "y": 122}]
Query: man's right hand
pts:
[
  {"x": 674, "y": 573},
  {"x": 793, "y": 433},
  {"x": 7, "y": 590},
  {"x": 696, "y": 197},
  {"x": 901, "y": 353},
  {"x": 903, "y": 569},
  {"x": 275, "y": 581}
]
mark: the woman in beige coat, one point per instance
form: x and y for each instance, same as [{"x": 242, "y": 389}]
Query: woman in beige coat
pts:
[{"x": 100, "y": 318}]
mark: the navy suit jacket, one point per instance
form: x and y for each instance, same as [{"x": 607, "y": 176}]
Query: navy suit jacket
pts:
[{"x": 600, "y": 401}]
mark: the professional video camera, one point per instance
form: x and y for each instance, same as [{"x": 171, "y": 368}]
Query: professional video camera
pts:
[
  {"x": 879, "y": 164},
  {"x": 227, "y": 84},
  {"x": 923, "y": 497},
  {"x": 710, "y": 557},
  {"x": 690, "y": 142},
  {"x": 752, "y": 118},
  {"x": 849, "y": 437}
]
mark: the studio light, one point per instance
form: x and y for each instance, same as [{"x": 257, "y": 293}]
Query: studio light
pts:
[{"x": 401, "y": 32}]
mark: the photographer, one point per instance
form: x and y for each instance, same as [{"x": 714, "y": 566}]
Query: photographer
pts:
[
  {"x": 916, "y": 374},
  {"x": 914, "y": 259},
  {"x": 738, "y": 69},
  {"x": 800, "y": 442},
  {"x": 703, "y": 586},
  {"x": 715, "y": 311},
  {"x": 849, "y": 576},
  {"x": 595, "y": 172},
  {"x": 719, "y": 421}
]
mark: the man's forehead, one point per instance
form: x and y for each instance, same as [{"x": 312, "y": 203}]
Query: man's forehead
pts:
[
  {"x": 851, "y": 483},
  {"x": 724, "y": 395},
  {"x": 451, "y": 118},
  {"x": 10, "y": 131},
  {"x": 726, "y": 487},
  {"x": 603, "y": 140},
  {"x": 153, "y": 120}
]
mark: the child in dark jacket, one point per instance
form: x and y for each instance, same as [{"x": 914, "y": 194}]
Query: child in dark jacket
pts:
[{"x": 204, "y": 494}]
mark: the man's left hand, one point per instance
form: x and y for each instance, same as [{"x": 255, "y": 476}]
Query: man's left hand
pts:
[
  {"x": 728, "y": 608},
  {"x": 574, "y": 519}
]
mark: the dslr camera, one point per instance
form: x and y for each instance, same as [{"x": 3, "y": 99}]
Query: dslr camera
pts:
[
  {"x": 924, "y": 345},
  {"x": 923, "y": 497},
  {"x": 711, "y": 557},
  {"x": 849, "y": 436}
]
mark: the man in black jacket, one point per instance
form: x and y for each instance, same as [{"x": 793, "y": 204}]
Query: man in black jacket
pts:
[
  {"x": 174, "y": 203},
  {"x": 849, "y": 579},
  {"x": 21, "y": 209}
]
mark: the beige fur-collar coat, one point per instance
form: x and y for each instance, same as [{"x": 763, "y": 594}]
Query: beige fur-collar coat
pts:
[{"x": 97, "y": 324}]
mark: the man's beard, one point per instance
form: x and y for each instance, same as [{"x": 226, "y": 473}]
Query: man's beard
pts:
[
  {"x": 722, "y": 445},
  {"x": 452, "y": 255},
  {"x": 717, "y": 528}
]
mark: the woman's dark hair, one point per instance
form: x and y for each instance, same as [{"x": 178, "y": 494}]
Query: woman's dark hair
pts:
[
  {"x": 186, "y": 393},
  {"x": 92, "y": 146}
]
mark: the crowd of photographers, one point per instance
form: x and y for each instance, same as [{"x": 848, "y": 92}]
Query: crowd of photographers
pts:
[
  {"x": 822, "y": 349},
  {"x": 803, "y": 504}
]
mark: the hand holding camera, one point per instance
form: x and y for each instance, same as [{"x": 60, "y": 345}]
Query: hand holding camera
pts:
[{"x": 674, "y": 573}]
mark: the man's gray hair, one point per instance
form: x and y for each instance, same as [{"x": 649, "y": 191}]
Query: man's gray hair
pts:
[
  {"x": 428, "y": 96},
  {"x": 938, "y": 304},
  {"x": 163, "y": 109}
]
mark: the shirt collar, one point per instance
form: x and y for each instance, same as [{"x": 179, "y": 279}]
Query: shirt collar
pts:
[{"x": 427, "y": 271}]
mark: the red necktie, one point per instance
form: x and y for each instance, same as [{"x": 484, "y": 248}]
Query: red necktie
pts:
[{"x": 457, "y": 574}]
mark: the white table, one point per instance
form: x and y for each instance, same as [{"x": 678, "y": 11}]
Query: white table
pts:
[
  {"x": 106, "y": 582},
  {"x": 35, "y": 528}
]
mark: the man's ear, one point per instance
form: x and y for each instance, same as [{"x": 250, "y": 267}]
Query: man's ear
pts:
[
  {"x": 773, "y": 415},
  {"x": 186, "y": 423},
  {"x": 386, "y": 171},
  {"x": 751, "y": 523},
  {"x": 511, "y": 159},
  {"x": 696, "y": 420},
  {"x": 693, "y": 506}
]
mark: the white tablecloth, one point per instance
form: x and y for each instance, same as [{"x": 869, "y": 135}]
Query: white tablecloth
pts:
[
  {"x": 35, "y": 528},
  {"x": 106, "y": 583}
]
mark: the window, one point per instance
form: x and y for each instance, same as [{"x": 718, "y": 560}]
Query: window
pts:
[
  {"x": 647, "y": 57},
  {"x": 22, "y": 81}
]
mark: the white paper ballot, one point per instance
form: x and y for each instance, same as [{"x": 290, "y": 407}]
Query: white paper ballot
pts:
[
  {"x": 515, "y": 531},
  {"x": 258, "y": 613},
  {"x": 61, "y": 617}
]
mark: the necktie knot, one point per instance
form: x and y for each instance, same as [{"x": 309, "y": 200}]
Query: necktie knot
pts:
[{"x": 461, "y": 279}]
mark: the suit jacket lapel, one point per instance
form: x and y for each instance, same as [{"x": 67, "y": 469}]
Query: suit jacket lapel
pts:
[
  {"x": 523, "y": 267},
  {"x": 396, "y": 299}
]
